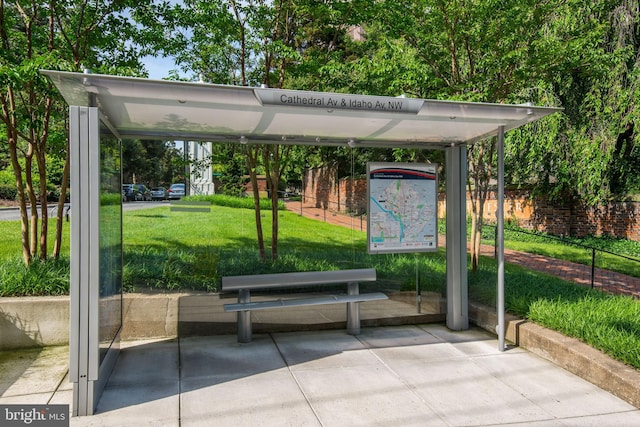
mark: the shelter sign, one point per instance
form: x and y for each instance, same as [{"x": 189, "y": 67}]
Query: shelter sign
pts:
[
  {"x": 403, "y": 207},
  {"x": 331, "y": 101}
]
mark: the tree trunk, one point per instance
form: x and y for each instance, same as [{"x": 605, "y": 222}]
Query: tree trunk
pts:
[
  {"x": 33, "y": 201},
  {"x": 272, "y": 162},
  {"x": 474, "y": 226},
  {"x": 477, "y": 230},
  {"x": 24, "y": 220},
  {"x": 252, "y": 156},
  {"x": 274, "y": 223},
  {"x": 44, "y": 224},
  {"x": 481, "y": 176},
  {"x": 57, "y": 244}
]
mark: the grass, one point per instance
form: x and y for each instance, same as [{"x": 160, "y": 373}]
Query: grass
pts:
[
  {"x": 11, "y": 240},
  {"x": 573, "y": 249},
  {"x": 49, "y": 277},
  {"x": 194, "y": 250},
  {"x": 606, "y": 322},
  {"x": 610, "y": 323},
  {"x": 167, "y": 250},
  {"x": 40, "y": 278}
]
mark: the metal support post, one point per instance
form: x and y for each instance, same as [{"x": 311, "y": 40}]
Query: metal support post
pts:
[
  {"x": 457, "y": 285},
  {"x": 500, "y": 239},
  {"x": 418, "y": 293},
  {"x": 353, "y": 310},
  {"x": 244, "y": 317}
]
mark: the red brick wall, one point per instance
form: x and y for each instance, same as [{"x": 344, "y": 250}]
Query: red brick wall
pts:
[
  {"x": 322, "y": 190},
  {"x": 262, "y": 186},
  {"x": 552, "y": 218},
  {"x": 619, "y": 219},
  {"x": 319, "y": 188},
  {"x": 353, "y": 195}
]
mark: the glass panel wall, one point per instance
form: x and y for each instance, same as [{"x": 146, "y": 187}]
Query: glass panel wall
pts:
[
  {"x": 110, "y": 277},
  {"x": 322, "y": 226}
]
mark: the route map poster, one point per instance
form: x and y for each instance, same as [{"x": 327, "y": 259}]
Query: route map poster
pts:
[{"x": 403, "y": 205}]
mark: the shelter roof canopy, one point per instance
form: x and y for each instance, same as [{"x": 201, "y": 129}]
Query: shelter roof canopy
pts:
[{"x": 172, "y": 110}]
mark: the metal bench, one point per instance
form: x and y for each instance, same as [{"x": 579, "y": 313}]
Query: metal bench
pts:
[{"x": 245, "y": 284}]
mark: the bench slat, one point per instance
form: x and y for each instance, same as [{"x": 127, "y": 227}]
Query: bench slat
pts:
[
  {"x": 305, "y": 278},
  {"x": 320, "y": 300}
]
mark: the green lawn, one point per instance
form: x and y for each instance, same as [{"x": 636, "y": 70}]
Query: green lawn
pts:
[
  {"x": 192, "y": 251},
  {"x": 177, "y": 250},
  {"x": 11, "y": 242}
]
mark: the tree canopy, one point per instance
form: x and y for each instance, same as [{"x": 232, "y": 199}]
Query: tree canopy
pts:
[{"x": 582, "y": 56}]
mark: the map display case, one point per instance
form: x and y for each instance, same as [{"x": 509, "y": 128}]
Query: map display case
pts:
[{"x": 402, "y": 206}]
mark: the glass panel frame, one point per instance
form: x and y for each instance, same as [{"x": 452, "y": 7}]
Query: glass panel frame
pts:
[
  {"x": 96, "y": 255},
  {"x": 110, "y": 231}
]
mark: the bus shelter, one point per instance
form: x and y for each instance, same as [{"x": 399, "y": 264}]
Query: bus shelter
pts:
[{"x": 104, "y": 110}]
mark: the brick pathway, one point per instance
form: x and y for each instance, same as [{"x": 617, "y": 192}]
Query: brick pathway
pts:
[{"x": 605, "y": 280}]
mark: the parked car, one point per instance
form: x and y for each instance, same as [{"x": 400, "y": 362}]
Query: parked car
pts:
[
  {"x": 136, "y": 192},
  {"x": 159, "y": 193},
  {"x": 176, "y": 191},
  {"x": 128, "y": 193},
  {"x": 144, "y": 192}
]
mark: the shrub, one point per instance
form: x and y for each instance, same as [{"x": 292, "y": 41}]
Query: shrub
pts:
[
  {"x": 49, "y": 277},
  {"x": 8, "y": 192}
]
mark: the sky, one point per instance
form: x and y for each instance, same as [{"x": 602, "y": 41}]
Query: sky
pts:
[{"x": 158, "y": 67}]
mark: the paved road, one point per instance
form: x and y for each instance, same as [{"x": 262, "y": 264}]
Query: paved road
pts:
[{"x": 13, "y": 214}]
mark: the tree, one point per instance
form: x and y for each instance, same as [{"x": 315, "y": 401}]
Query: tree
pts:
[
  {"x": 475, "y": 51},
  {"x": 64, "y": 35},
  {"x": 152, "y": 162},
  {"x": 587, "y": 152},
  {"x": 27, "y": 38},
  {"x": 253, "y": 155},
  {"x": 598, "y": 85},
  {"x": 231, "y": 162},
  {"x": 244, "y": 43}
]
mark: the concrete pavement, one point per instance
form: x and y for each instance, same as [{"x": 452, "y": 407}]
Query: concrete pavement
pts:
[{"x": 423, "y": 375}]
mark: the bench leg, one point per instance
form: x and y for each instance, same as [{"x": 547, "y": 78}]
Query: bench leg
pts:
[
  {"x": 353, "y": 310},
  {"x": 244, "y": 317}
]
